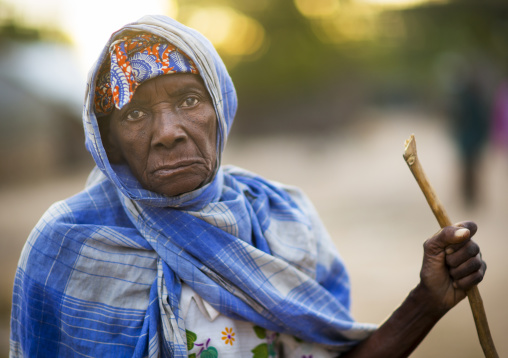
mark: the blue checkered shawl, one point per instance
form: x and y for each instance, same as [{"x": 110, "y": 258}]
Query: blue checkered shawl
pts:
[{"x": 101, "y": 273}]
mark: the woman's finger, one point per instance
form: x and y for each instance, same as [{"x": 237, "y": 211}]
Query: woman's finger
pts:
[
  {"x": 470, "y": 225},
  {"x": 466, "y": 268},
  {"x": 473, "y": 279},
  {"x": 447, "y": 236},
  {"x": 459, "y": 253}
]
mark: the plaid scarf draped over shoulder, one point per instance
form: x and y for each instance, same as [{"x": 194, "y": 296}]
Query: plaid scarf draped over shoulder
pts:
[{"x": 101, "y": 273}]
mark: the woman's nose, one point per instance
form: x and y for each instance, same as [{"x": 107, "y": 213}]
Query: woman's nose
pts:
[{"x": 168, "y": 130}]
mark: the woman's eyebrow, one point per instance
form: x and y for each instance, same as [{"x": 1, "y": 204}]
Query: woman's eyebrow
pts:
[
  {"x": 171, "y": 93},
  {"x": 184, "y": 90}
]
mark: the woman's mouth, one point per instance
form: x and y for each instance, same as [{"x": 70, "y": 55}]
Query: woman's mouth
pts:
[{"x": 173, "y": 168}]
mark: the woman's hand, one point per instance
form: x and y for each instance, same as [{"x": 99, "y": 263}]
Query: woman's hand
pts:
[{"x": 452, "y": 264}]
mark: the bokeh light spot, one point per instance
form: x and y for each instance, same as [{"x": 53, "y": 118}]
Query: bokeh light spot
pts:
[
  {"x": 230, "y": 31},
  {"x": 317, "y": 8}
]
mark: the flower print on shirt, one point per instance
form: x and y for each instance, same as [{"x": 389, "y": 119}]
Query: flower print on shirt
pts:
[
  {"x": 204, "y": 350},
  {"x": 228, "y": 336},
  {"x": 207, "y": 352},
  {"x": 267, "y": 349}
]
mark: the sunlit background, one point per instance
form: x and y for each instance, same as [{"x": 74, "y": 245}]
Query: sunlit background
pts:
[{"x": 328, "y": 92}]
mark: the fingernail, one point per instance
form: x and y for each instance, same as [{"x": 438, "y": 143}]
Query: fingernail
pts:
[
  {"x": 461, "y": 232},
  {"x": 449, "y": 251},
  {"x": 454, "y": 284}
]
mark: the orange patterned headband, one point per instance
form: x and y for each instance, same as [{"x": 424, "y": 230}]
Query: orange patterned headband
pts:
[{"x": 134, "y": 59}]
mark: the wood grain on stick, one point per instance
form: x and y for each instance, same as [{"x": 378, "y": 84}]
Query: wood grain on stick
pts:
[{"x": 475, "y": 300}]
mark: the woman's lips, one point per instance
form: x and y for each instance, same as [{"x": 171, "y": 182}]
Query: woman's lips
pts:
[{"x": 172, "y": 168}]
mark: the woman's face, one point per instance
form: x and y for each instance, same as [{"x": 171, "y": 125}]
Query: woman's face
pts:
[{"x": 166, "y": 134}]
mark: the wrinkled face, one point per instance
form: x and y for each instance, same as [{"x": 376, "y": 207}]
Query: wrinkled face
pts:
[{"x": 166, "y": 134}]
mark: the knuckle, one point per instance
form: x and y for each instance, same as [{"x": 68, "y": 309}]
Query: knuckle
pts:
[
  {"x": 448, "y": 230},
  {"x": 451, "y": 262},
  {"x": 454, "y": 274}
]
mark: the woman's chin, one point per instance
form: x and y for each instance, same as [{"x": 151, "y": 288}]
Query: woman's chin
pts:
[{"x": 177, "y": 187}]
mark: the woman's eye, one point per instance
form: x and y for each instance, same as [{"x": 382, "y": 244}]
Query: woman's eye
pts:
[
  {"x": 190, "y": 101},
  {"x": 135, "y": 115}
]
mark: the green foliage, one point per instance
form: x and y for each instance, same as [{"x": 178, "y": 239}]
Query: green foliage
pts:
[
  {"x": 191, "y": 338},
  {"x": 260, "y": 332},
  {"x": 211, "y": 352},
  {"x": 299, "y": 340},
  {"x": 404, "y": 47},
  {"x": 260, "y": 351}
]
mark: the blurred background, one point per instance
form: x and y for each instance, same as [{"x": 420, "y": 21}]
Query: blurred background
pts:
[{"x": 328, "y": 92}]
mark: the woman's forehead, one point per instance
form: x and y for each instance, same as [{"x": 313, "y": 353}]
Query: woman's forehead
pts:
[{"x": 171, "y": 86}]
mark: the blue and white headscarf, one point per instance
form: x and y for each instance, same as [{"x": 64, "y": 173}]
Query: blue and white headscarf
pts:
[{"x": 101, "y": 273}]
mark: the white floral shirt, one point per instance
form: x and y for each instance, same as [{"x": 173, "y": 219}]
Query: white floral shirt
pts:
[{"x": 211, "y": 335}]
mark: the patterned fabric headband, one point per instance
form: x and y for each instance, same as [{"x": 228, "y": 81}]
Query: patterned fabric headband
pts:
[{"x": 134, "y": 59}]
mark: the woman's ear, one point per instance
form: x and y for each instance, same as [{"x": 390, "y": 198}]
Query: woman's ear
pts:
[
  {"x": 108, "y": 141},
  {"x": 112, "y": 150}
]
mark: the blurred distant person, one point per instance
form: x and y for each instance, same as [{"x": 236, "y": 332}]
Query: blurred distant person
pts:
[
  {"x": 500, "y": 118},
  {"x": 166, "y": 253},
  {"x": 470, "y": 111}
]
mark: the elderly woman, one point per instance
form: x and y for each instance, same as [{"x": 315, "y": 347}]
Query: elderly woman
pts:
[{"x": 166, "y": 253}]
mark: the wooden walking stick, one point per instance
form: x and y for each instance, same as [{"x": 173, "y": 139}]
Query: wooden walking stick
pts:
[{"x": 475, "y": 300}]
